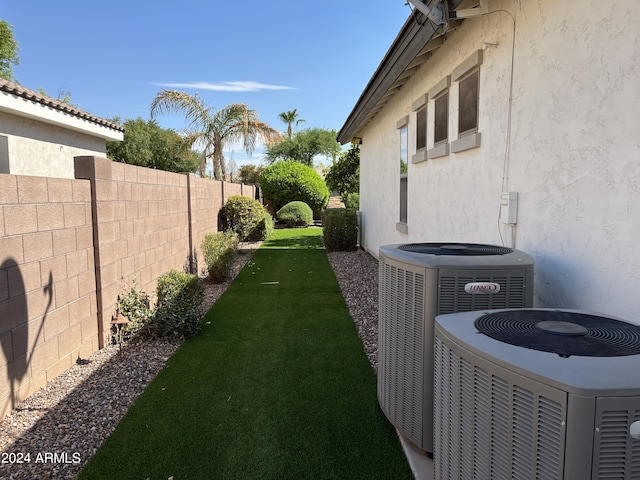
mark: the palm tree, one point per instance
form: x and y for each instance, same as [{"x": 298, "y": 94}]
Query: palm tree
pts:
[
  {"x": 213, "y": 129},
  {"x": 290, "y": 118}
]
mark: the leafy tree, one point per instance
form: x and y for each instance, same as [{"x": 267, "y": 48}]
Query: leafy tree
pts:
[
  {"x": 232, "y": 170},
  {"x": 8, "y": 51},
  {"x": 249, "y": 174},
  {"x": 290, "y": 117},
  {"x": 304, "y": 146},
  {"x": 344, "y": 175},
  {"x": 213, "y": 129},
  {"x": 147, "y": 144},
  {"x": 64, "y": 95},
  {"x": 285, "y": 182}
]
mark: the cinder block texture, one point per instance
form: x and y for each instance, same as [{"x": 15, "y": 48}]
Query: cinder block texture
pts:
[
  {"x": 45, "y": 246},
  {"x": 68, "y": 248}
]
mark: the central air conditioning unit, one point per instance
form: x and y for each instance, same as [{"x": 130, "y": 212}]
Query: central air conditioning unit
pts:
[
  {"x": 417, "y": 282},
  {"x": 536, "y": 393}
]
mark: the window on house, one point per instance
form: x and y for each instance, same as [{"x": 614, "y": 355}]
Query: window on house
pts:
[
  {"x": 468, "y": 116},
  {"x": 404, "y": 156},
  {"x": 4, "y": 154},
  {"x": 420, "y": 107},
  {"x": 421, "y": 129},
  {"x": 467, "y": 74},
  {"x": 441, "y": 119}
]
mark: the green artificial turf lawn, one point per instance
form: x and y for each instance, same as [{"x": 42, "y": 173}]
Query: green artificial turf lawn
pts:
[{"x": 275, "y": 386}]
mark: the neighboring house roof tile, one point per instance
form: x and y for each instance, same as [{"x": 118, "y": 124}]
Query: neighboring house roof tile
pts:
[{"x": 20, "y": 91}]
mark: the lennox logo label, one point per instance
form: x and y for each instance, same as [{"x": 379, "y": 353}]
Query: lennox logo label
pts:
[{"x": 482, "y": 287}]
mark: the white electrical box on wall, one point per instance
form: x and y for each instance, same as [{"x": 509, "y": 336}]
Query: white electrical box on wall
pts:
[{"x": 509, "y": 208}]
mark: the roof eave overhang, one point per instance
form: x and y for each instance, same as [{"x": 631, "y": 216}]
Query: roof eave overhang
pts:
[
  {"x": 400, "y": 62},
  {"x": 36, "y": 111}
]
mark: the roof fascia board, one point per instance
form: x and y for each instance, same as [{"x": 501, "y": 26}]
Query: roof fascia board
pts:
[{"x": 36, "y": 111}]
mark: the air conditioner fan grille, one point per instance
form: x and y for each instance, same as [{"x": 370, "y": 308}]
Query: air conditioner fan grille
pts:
[
  {"x": 456, "y": 249},
  {"x": 561, "y": 332}
]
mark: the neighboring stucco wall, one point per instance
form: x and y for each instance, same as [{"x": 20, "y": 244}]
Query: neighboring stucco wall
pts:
[
  {"x": 40, "y": 149},
  {"x": 573, "y": 152}
]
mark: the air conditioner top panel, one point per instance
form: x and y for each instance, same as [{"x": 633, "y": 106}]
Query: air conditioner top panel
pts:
[
  {"x": 468, "y": 255},
  {"x": 577, "y": 374}
]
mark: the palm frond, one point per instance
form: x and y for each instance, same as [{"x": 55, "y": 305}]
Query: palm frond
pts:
[{"x": 194, "y": 108}]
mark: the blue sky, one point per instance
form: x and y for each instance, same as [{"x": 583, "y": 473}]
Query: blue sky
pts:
[{"x": 113, "y": 57}]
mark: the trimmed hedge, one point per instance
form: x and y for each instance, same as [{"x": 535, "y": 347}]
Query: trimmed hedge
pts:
[
  {"x": 340, "y": 229},
  {"x": 295, "y": 214},
  {"x": 288, "y": 181},
  {"x": 177, "y": 313},
  {"x": 220, "y": 250},
  {"x": 135, "y": 306},
  {"x": 247, "y": 217}
]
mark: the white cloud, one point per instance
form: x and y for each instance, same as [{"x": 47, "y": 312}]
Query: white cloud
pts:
[{"x": 249, "y": 86}]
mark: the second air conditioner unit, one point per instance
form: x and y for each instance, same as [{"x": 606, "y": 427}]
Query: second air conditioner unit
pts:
[
  {"x": 536, "y": 393},
  {"x": 417, "y": 282}
]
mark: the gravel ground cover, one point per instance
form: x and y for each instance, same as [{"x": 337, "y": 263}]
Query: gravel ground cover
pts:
[{"x": 56, "y": 430}]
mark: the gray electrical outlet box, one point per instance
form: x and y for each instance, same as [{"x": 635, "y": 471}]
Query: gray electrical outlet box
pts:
[{"x": 509, "y": 208}]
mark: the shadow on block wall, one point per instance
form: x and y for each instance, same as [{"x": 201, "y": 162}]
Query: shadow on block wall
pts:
[{"x": 14, "y": 327}]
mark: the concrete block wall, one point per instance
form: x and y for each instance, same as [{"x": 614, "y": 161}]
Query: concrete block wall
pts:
[
  {"x": 207, "y": 198},
  {"x": 69, "y": 247},
  {"x": 140, "y": 219},
  {"x": 206, "y": 203},
  {"x": 48, "y": 313}
]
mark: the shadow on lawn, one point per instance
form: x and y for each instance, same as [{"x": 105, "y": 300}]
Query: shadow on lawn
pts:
[
  {"x": 300, "y": 243},
  {"x": 61, "y": 442}
]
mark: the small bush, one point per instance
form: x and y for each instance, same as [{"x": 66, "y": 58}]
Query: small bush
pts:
[
  {"x": 220, "y": 250},
  {"x": 340, "y": 229},
  {"x": 295, "y": 214},
  {"x": 351, "y": 201},
  {"x": 135, "y": 307},
  {"x": 177, "y": 313},
  {"x": 248, "y": 218}
]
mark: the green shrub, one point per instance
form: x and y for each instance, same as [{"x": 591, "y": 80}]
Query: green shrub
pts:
[
  {"x": 248, "y": 218},
  {"x": 340, "y": 229},
  {"x": 135, "y": 307},
  {"x": 295, "y": 214},
  {"x": 220, "y": 250},
  {"x": 177, "y": 313},
  {"x": 288, "y": 181},
  {"x": 351, "y": 201},
  {"x": 344, "y": 175}
]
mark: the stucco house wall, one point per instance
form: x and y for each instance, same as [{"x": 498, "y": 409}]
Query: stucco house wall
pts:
[
  {"x": 567, "y": 144},
  {"x": 40, "y": 136}
]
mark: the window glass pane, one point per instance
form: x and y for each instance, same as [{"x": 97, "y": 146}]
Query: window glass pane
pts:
[
  {"x": 441, "y": 130},
  {"x": 403, "y": 198},
  {"x": 404, "y": 156},
  {"x": 468, "y": 117},
  {"x": 421, "y": 129},
  {"x": 404, "y": 149}
]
